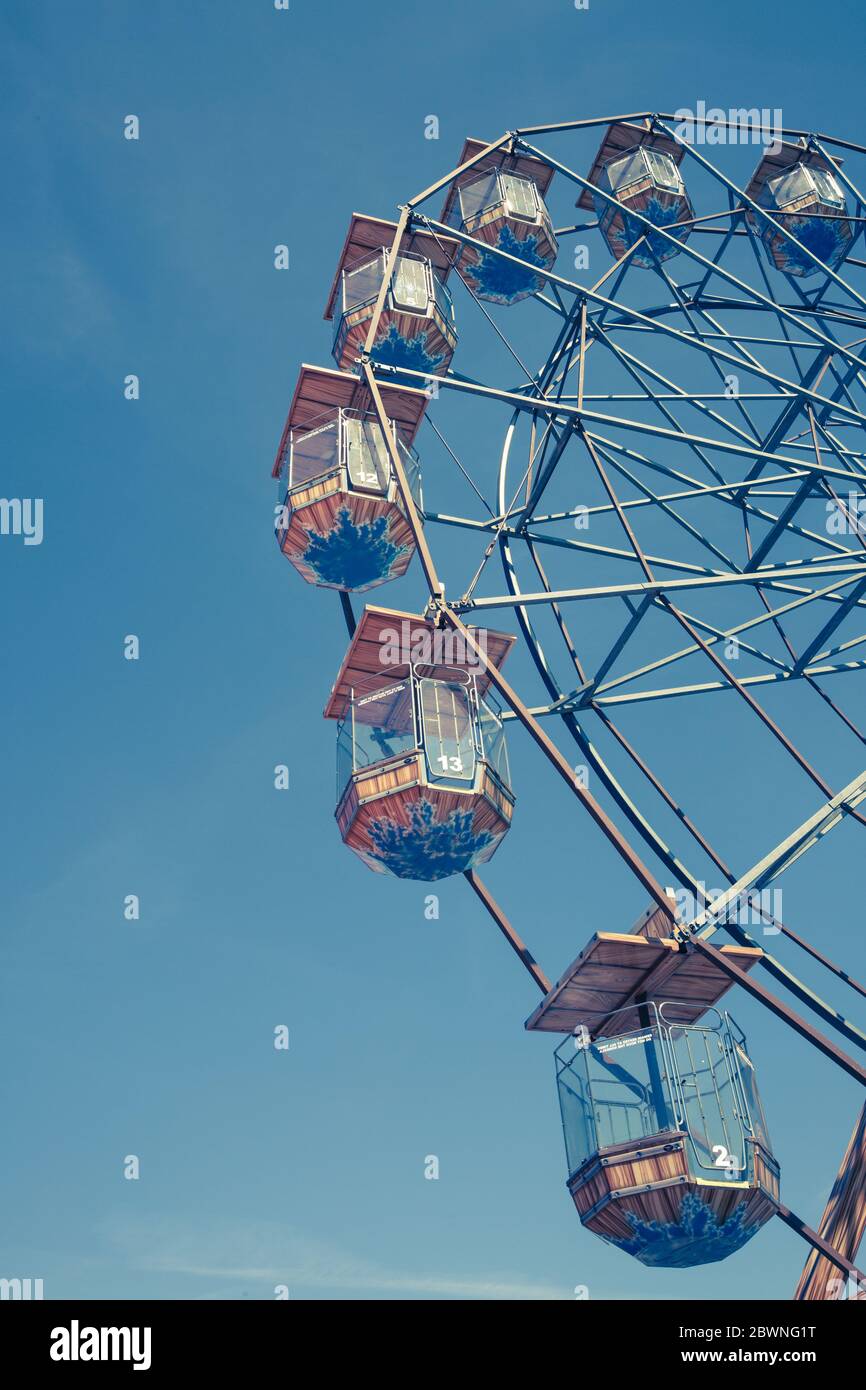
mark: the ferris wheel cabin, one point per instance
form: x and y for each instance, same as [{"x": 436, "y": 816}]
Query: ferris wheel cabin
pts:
[
  {"x": 423, "y": 784},
  {"x": 500, "y": 203},
  {"x": 341, "y": 519},
  {"x": 637, "y": 170},
  {"x": 801, "y": 190},
  {"x": 416, "y": 327},
  {"x": 666, "y": 1142}
]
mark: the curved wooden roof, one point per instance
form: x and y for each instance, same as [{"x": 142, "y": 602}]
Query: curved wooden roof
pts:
[
  {"x": 362, "y": 669},
  {"x": 319, "y": 389},
  {"x": 615, "y": 968}
]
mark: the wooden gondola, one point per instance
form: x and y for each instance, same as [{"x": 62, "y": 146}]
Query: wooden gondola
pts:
[
  {"x": 500, "y": 202},
  {"x": 799, "y": 187},
  {"x": 639, "y": 169},
  {"x": 416, "y": 327},
  {"x": 422, "y": 768},
  {"x": 341, "y": 519},
  {"x": 667, "y": 1146}
]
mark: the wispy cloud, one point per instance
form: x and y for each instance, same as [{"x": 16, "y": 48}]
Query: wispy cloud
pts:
[{"x": 266, "y": 1254}]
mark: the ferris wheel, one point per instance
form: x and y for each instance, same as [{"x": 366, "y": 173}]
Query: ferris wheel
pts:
[{"x": 707, "y": 389}]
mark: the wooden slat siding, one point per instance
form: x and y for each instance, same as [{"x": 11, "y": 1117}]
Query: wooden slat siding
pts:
[
  {"x": 317, "y": 511},
  {"x": 370, "y": 793},
  {"x": 622, "y": 136},
  {"x": 404, "y": 792},
  {"x": 314, "y": 491},
  {"x": 409, "y": 325},
  {"x": 531, "y": 168},
  {"x": 617, "y": 967},
  {"x": 487, "y": 227},
  {"x": 614, "y": 1167},
  {"x": 346, "y": 810},
  {"x": 723, "y": 1201},
  {"x": 663, "y": 1203},
  {"x": 843, "y": 1223},
  {"x": 654, "y": 922},
  {"x": 501, "y": 798},
  {"x": 383, "y": 782},
  {"x": 766, "y": 1170},
  {"x": 370, "y": 787},
  {"x": 650, "y": 1177},
  {"x": 391, "y": 793},
  {"x": 780, "y": 249},
  {"x": 362, "y": 671},
  {"x": 640, "y": 197},
  {"x": 760, "y": 1208},
  {"x": 613, "y": 220}
]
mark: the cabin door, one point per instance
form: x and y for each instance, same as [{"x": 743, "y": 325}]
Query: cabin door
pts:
[
  {"x": 367, "y": 459},
  {"x": 446, "y": 720},
  {"x": 711, "y": 1104},
  {"x": 520, "y": 197},
  {"x": 409, "y": 285}
]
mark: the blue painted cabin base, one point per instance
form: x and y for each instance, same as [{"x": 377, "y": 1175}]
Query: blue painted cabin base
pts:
[
  {"x": 501, "y": 281},
  {"x": 340, "y": 539},
  {"x": 828, "y": 237},
  {"x": 420, "y": 342},
  {"x": 697, "y": 1238},
  {"x": 400, "y": 823},
  {"x": 621, "y": 231},
  {"x": 641, "y": 1196}
]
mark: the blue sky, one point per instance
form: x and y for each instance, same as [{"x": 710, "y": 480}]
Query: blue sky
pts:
[{"x": 155, "y": 777}]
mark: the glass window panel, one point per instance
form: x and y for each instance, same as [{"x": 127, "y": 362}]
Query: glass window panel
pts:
[
  {"x": 409, "y": 284},
  {"x": 793, "y": 184},
  {"x": 313, "y": 454},
  {"x": 629, "y": 1087},
  {"x": 412, "y": 469},
  {"x": 366, "y": 454},
  {"x": 478, "y": 195},
  {"x": 362, "y": 282},
  {"x": 345, "y": 761},
  {"x": 753, "y": 1100},
  {"x": 519, "y": 195},
  {"x": 663, "y": 169},
  {"x": 493, "y": 744},
  {"x": 383, "y": 725},
  {"x": 442, "y": 299},
  {"x": 575, "y": 1104},
  {"x": 449, "y": 742},
  {"x": 827, "y": 187},
  {"x": 625, "y": 171}
]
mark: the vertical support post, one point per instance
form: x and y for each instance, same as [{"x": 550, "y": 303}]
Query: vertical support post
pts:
[
  {"x": 408, "y": 500},
  {"x": 658, "y": 1094},
  {"x": 843, "y": 1223},
  {"x": 385, "y": 286}
]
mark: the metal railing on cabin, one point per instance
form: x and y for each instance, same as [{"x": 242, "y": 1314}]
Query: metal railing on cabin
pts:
[
  {"x": 444, "y": 721},
  {"x": 414, "y": 289},
  {"x": 350, "y": 443}
]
